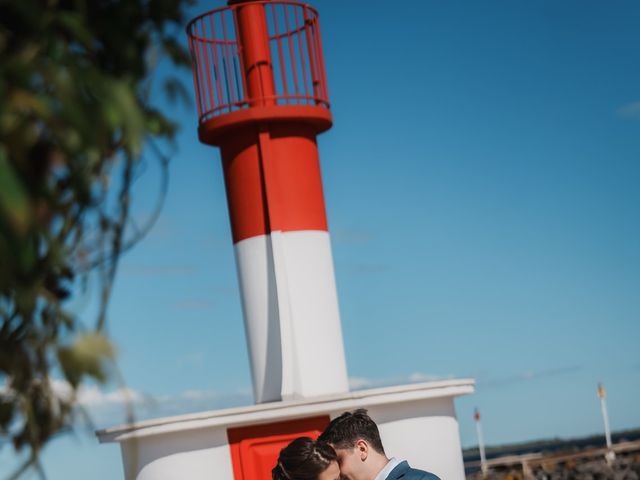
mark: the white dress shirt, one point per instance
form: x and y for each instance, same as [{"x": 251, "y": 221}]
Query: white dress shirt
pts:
[{"x": 388, "y": 468}]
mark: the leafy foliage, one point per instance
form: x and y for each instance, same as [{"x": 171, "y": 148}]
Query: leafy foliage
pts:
[{"x": 74, "y": 117}]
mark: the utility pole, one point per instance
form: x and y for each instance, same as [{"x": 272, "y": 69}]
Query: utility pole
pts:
[
  {"x": 483, "y": 458},
  {"x": 610, "y": 456}
]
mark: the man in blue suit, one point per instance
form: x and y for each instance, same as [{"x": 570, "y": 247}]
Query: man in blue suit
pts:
[{"x": 356, "y": 440}]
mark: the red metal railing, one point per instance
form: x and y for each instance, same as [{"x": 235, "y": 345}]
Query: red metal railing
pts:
[{"x": 296, "y": 61}]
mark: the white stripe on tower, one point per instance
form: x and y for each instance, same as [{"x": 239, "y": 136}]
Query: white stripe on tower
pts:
[{"x": 291, "y": 315}]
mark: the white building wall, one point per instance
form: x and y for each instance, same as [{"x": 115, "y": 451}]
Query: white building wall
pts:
[
  {"x": 417, "y": 423},
  {"x": 190, "y": 454},
  {"x": 425, "y": 433}
]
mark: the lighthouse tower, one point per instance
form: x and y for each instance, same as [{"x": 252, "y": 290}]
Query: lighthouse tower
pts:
[
  {"x": 264, "y": 111},
  {"x": 262, "y": 98}
]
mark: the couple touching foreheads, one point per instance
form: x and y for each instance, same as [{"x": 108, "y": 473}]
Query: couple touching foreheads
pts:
[{"x": 349, "y": 449}]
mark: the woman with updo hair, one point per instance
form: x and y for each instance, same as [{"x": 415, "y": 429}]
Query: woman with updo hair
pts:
[{"x": 306, "y": 459}]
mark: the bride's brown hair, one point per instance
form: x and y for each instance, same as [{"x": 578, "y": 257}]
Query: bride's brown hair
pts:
[{"x": 303, "y": 459}]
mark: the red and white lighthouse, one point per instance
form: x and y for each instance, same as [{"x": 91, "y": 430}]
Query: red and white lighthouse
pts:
[
  {"x": 264, "y": 113},
  {"x": 262, "y": 99}
]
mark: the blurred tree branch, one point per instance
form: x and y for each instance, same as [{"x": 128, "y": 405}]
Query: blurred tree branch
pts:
[{"x": 76, "y": 113}]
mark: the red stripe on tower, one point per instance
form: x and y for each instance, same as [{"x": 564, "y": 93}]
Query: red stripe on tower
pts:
[{"x": 275, "y": 183}]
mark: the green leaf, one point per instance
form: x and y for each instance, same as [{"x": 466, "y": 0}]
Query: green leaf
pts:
[
  {"x": 126, "y": 112},
  {"x": 89, "y": 355},
  {"x": 14, "y": 201},
  {"x": 75, "y": 24},
  {"x": 7, "y": 408},
  {"x": 22, "y": 101}
]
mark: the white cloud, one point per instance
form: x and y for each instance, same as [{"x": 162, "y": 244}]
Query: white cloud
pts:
[
  {"x": 192, "y": 359},
  {"x": 417, "y": 377},
  {"x": 61, "y": 388},
  {"x": 94, "y": 397},
  {"x": 91, "y": 396},
  {"x": 198, "y": 395},
  {"x": 359, "y": 383},
  {"x": 630, "y": 110},
  {"x": 525, "y": 376},
  {"x": 115, "y": 406},
  {"x": 109, "y": 408}
]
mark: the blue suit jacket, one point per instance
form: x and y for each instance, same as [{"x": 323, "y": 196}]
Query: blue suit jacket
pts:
[{"x": 405, "y": 472}]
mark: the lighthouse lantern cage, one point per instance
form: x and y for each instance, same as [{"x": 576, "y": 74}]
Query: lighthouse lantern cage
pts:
[{"x": 294, "y": 62}]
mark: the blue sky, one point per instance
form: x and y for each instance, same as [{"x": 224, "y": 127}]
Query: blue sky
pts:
[{"x": 482, "y": 189}]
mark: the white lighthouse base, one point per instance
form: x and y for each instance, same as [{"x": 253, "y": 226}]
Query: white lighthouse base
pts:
[{"x": 417, "y": 423}]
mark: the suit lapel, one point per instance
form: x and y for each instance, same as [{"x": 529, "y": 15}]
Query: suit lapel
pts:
[{"x": 399, "y": 471}]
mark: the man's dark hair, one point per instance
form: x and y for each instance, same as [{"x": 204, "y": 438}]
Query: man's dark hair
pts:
[{"x": 344, "y": 431}]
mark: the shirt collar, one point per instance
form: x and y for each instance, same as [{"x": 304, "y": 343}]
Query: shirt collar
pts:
[{"x": 388, "y": 468}]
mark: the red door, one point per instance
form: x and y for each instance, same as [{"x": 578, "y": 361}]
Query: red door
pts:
[{"x": 255, "y": 448}]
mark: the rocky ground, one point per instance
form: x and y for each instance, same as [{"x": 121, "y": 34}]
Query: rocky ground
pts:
[{"x": 625, "y": 467}]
